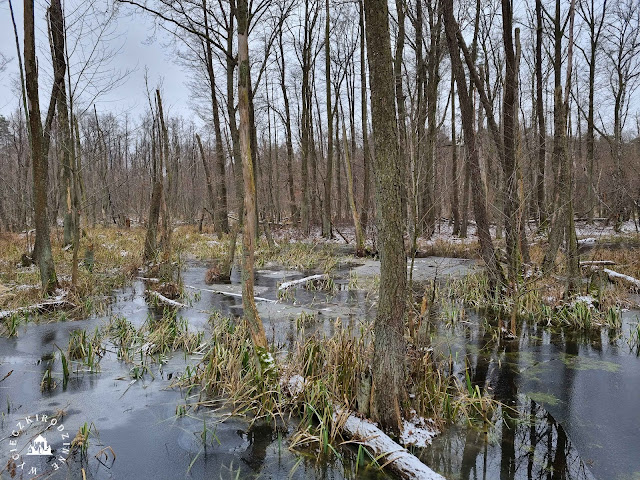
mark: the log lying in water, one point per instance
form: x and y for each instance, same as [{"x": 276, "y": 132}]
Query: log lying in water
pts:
[
  {"x": 393, "y": 456},
  {"x": 230, "y": 294},
  {"x": 167, "y": 301},
  {"x": 624, "y": 279},
  {"x": 302, "y": 281},
  {"x": 38, "y": 308}
]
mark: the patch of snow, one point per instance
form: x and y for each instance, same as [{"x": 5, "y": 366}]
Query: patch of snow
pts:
[
  {"x": 587, "y": 241},
  {"x": 294, "y": 386},
  {"x": 417, "y": 431},
  {"x": 586, "y": 299}
]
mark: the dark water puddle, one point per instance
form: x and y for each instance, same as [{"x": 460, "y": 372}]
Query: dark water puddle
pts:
[
  {"x": 138, "y": 419},
  {"x": 575, "y": 398}
]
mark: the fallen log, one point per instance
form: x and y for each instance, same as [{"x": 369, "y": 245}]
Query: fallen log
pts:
[
  {"x": 596, "y": 263},
  {"x": 229, "y": 294},
  {"x": 167, "y": 301},
  {"x": 38, "y": 308},
  {"x": 389, "y": 453},
  {"x": 301, "y": 281},
  {"x": 624, "y": 279}
]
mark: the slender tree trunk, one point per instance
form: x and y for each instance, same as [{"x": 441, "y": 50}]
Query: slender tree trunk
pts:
[
  {"x": 207, "y": 175},
  {"x": 542, "y": 134},
  {"x": 352, "y": 196},
  {"x": 326, "y": 210},
  {"x": 389, "y": 345},
  {"x": 40, "y": 145},
  {"x": 509, "y": 161},
  {"x": 248, "y": 238},
  {"x": 293, "y": 208},
  {"x": 455, "y": 208},
  {"x": 366, "y": 155},
  {"x": 563, "y": 222},
  {"x": 487, "y": 250},
  {"x": 220, "y": 211}
]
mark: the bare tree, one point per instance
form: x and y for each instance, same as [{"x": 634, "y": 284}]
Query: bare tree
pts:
[
  {"x": 249, "y": 234},
  {"x": 39, "y": 137}
]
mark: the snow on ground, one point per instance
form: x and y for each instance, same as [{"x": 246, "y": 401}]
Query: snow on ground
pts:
[{"x": 417, "y": 431}]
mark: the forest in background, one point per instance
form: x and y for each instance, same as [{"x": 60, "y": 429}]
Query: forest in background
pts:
[{"x": 309, "y": 128}]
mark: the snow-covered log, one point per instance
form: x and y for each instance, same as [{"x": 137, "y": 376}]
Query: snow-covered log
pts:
[
  {"x": 167, "y": 301},
  {"x": 624, "y": 279},
  {"x": 230, "y": 294},
  {"x": 596, "y": 263},
  {"x": 395, "y": 457},
  {"x": 38, "y": 308},
  {"x": 301, "y": 281}
]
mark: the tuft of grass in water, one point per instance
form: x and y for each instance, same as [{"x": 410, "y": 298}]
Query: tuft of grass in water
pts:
[
  {"x": 11, "y": 324},
  {"x": 299, "y": 256},
  {"x": 317, "y": 374},
  {"x": 48, "y": 383},
  {"x": 540, "y": 301},
  {"x": 65, "y": 368},
  {"x": 153, "y": 341},
  {"x": 85, "y": 349},
  {"x": 634, "y": 339}
]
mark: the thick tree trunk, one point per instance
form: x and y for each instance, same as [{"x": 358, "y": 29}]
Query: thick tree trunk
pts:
[
  {"x": 56, "y": 25},
  {"x": 389, "y": 344}
]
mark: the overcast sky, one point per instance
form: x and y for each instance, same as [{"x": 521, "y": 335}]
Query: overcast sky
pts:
[{"x": 130, "y": 34}]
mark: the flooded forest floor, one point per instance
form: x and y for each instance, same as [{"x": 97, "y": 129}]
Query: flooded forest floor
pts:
[{"x": 146, "y": 388}]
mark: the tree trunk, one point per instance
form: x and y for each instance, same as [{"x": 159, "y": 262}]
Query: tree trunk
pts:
[
  {"x": 455, "y": 208},
  {"x": 249, "y": 233},
  {"x": 366, "y": 155},
  {"x": 389, "y": 344},
  {"x": 487, "y": 250},
  {"x": 352, "y": 196},
  {"x": 542, "y": 153},
  {"x": 326, "y": 210},
  {"x": 562, "y": 226},
  {"x": 220, "y": 211},
  {"x": 40, "y": 144}
]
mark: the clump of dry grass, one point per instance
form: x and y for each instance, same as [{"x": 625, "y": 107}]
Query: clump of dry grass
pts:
[
  {"x": 299, "y": 256},
  {"x": 451, "y": 249},
  {"x": 317, "y": 375}
]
